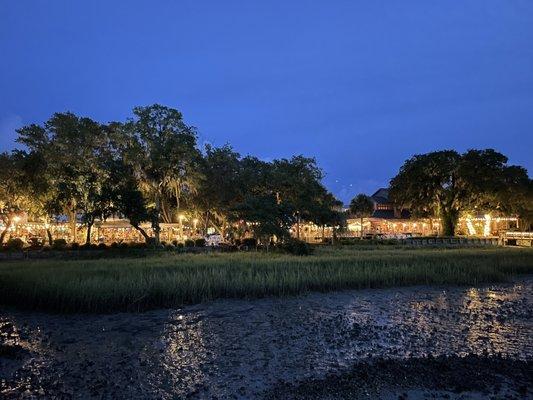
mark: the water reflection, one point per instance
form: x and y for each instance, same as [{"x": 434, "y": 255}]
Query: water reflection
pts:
[
  {"x": 492, "y": 323},
  {"x": 249, "y": 346},
  {"x": 244, "y": 347}
]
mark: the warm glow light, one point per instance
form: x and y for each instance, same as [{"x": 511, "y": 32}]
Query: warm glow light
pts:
[
  {"x": 470, "y": 226},
  {"x": 16, "y": 218},
  {"x": 181, "y": 217},
  {"x": 486, "y": 227}
]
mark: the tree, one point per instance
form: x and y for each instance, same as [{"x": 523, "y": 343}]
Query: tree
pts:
[
  {"x": 123, "y": 193},
  {"x": 219, "y": 190},
  {"x": 13, "y": 199},
  {"x": 362, "y": 207},
  {"x": 297, "y": 183},
  {"x": 69, "y": 147},
  {"x": 446, "y": 184},
  {"x": 266, "y": 216},
  {"x": 327, "y": 210},
  {"x": 37, "y": 184},
  {"x": 160, "y": 148}
]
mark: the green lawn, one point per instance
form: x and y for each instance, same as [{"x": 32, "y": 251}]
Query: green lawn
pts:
[{"x": 166, "y": 279}]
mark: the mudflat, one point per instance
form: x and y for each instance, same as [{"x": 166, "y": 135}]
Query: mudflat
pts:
[{"x": 410, "y": 342}]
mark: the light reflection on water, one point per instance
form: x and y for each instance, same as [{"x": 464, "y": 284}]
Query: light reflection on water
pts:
[
  {"x": 492, "y": 325},
  {"x": 310, "y": 336},
  {"x": 243, "y": 347}
]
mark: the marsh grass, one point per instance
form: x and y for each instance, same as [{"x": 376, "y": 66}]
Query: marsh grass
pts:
[{"x": 168, "y": 280}]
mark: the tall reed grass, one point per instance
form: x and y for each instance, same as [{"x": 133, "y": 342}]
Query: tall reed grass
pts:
[{"x": 167, "y": 280}]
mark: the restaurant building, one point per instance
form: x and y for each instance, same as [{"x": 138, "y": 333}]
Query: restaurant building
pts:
[{"x": 390, "y": 221}]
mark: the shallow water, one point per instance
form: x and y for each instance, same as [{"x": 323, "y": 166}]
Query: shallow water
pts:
[{"x": 241, "y": 348}]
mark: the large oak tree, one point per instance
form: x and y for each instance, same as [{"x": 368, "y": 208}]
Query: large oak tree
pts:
[
  {"x": 447, "y": 183},
  {"x": 161, "y": 148}
]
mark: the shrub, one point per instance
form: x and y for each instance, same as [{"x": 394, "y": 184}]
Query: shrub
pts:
[
  {"x": 123, "y": 245},
  {"x": 74, "y": 246},
  {"x": 199, "y": 242},
  {"x": 169, "y": 247},
  {"x": 114, "y": 245},
  {"x": 297, "y": 247},
  {"x": 46, "y": 248},
  {"x": 230, "y": 248},
  {"x": 189, "y": 243},
  {"x": 59, "y": 244},
  {"x": 15, "y": 244},
  {"x": 180, "y": 245},
  {"x": 175, "y": 242},
  {"x": 237, "y": 242},
  {"x": 93, "y": 246},
  {"x": 249, "y": 242},
  {"x": 102, "y": 246},
  {"x": 85, "y": 246},
  {"x": 35, "y": 243}
]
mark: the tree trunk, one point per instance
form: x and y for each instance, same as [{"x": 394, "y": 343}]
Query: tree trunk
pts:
[
  {"x": 142, "y": 232},
  {"x": 177, "y": 192},
  {"x": 49, "y": 234},
  {"x": 323, "y": 233},
  {"x": 4, "y": 232},
  {"x": 223, "y": 230},
  {"x": 165, "y": 212},
  {"x": 155, "y": 221},
  {"x": 361, "y": 233},
  {"x": 298, "y": 225},
  {"x": 72, "y": 221},
  {"x": 206, "y": 225},
  {"x": 88, "y": 238},
  {"x": 449, "y": 222},
  {"x": 157, "y": 233}
]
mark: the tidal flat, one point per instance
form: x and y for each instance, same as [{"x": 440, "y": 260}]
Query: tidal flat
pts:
[{"x": 462, "y": 342}]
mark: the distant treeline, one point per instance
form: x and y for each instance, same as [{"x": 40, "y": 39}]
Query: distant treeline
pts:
[{"x": 151, "y": 169}]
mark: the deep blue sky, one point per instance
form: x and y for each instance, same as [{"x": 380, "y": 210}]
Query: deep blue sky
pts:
[{"x": 361, "y": 85}]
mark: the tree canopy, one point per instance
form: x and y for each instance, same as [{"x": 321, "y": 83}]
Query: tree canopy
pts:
[
  {"x": 151, "y": 169},
  {"x": 361, "y": 207},
  {"x": 445, "y": 184}
]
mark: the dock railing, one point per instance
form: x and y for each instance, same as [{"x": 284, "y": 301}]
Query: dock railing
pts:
[{"x": 516, "y": 239}]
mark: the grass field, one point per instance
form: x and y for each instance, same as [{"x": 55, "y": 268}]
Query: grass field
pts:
[{"x": 167, "y": 280}]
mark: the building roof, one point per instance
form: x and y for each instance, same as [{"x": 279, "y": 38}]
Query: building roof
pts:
[
  {"x": 381, "y": 196},
  {"x": 389, "y": 214}
]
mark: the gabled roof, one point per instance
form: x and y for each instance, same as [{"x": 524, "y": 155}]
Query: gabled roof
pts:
[{"x": 381, "y": 196}]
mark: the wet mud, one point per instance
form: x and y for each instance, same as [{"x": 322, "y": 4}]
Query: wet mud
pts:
[{"x": 417, "y": 342}]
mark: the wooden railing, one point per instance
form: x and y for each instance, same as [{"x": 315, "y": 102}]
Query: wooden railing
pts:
[
  {"x": 518, "y": 235},
  {"x": 516, "y": 239}
]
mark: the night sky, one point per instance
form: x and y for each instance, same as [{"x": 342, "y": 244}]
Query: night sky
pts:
[{"x": 360, "y": 85}]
